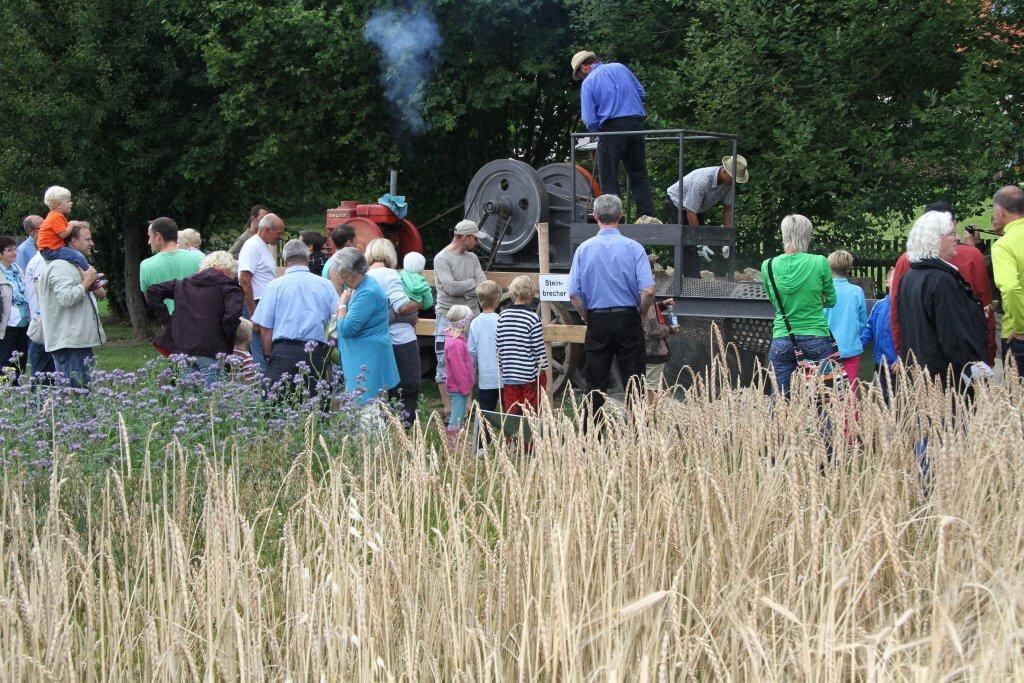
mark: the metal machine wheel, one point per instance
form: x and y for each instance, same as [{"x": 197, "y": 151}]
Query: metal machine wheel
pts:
[
  {"x": 406, "y": 238},
  {"x": 510, "y": 189},
  {"x": 366, "y": 230},
  {"x": 558, "y": 179}
]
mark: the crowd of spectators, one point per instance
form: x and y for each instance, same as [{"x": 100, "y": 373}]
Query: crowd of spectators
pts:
[{"x": 322, "y": 322}]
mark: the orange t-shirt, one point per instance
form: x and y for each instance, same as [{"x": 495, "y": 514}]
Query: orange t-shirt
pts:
[{"x": 49, "y": 232}]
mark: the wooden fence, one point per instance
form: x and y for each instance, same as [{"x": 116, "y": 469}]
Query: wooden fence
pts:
[{"x": 872, "y": 258}]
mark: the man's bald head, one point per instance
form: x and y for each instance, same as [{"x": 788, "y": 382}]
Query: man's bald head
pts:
[
  {"x": 31, "y": 224},
  {"x": 1007, "y": 206}
]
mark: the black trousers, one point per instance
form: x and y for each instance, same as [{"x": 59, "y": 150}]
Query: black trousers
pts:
[
  {"x": 285, "y": 357},
  {"x": 613, "y": 335},
  {"x": 15, "y": 341},
  {"x": 1014, "y": 349},
  {"x": 488, "y": 399},
  {"x": 407, "y": 358},
  {"x": 630, "y": 151},
  {"x": 691, "y": 261}
]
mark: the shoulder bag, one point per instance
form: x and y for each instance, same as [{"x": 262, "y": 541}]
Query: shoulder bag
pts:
[{"x": 828, "y": 370}]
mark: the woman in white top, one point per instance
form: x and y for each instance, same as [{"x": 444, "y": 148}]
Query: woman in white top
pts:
[{"x": 381, "y": 255}]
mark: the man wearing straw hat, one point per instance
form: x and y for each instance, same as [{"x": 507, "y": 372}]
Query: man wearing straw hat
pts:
[
  {"x": 612, "y": 99},
  {"x": 703, "y": 189}
]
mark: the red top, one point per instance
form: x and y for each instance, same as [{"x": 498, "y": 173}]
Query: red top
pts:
[
  {"x": 971, "y": 264},
  {"x": 49, "y": 232}
]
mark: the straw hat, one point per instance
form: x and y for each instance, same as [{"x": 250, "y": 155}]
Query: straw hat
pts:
[
  {"x": 741, "y": 168},
  {"x": 578, "y": 60}
]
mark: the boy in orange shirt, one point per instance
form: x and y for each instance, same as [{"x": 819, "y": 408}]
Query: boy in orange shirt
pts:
[{"x": 50, "y": 239}]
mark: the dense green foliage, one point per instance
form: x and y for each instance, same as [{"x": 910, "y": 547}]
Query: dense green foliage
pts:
[{"x": 846, "y": 109}]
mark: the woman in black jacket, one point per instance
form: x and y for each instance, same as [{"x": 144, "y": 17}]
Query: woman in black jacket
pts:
[
  {"x": 207, "y": 308},
  {"x": 941, "y": 321}
]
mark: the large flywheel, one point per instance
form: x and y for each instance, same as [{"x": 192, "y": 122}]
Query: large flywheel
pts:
[
  {"x": 507, "y": 198},
  {"x": 570, "y": 199}
]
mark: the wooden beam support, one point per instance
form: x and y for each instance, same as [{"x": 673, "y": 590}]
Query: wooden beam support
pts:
[
  {"x": 502, "y": 278},
  {"x": 553, "y": 333}
]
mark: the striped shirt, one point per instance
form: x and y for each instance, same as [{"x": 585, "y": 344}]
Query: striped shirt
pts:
[
  {"x": 701, "y": 190},
  {"x": 520, "y": 344},
  {"x": 242, "y": 367}
]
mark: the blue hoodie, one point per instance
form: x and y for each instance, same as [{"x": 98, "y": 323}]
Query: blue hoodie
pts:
[
  {"x": 848, "y": 317},
  {"x": 879, "y": 333}
]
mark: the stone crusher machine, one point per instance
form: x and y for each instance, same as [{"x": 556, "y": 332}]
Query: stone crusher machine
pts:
[{"x": 508, "y": 198}]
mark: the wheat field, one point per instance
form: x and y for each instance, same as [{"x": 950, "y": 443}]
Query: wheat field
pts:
[{"x": 703, "y": 539}]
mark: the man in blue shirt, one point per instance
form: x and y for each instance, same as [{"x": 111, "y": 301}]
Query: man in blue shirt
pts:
[
  {"x": 27, "y": 249},
  {"x": 611, "y": 286},
  {"x": 612, "y": 99},
  {"x": 293, "y": 313}
]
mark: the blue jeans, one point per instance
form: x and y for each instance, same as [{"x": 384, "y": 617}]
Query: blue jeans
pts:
[
  {"x": 783, "y": 359},
  {"x": 38, "y": 359},
  {"x": 65, "y": 254},
  {"x": 256, "y": 343},
  {"x": 459, "y": 404},
  {"x": 209, "y": 367},
  {"x": 76, "y": 365}
]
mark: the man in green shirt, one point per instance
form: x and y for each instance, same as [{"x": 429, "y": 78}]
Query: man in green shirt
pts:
[
  {"x": 168, "y": 262},
  {"x": 1008, "y": 268}
]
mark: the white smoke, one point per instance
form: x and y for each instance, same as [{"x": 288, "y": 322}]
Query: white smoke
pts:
[{"x": 408, "y": 40}]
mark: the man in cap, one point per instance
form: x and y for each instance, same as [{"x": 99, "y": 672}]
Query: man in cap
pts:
[
  {"x": 702, "y": 189},
  {"x": 457, "y": 272},
  {"x": 612, "y": 99}
]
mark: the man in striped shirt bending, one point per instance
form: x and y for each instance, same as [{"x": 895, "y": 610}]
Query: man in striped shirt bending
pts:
[
  {"x": 521, "y": 353},
  {"x": 611, "y": 286}
]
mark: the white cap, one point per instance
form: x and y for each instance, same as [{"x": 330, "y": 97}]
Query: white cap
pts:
[{"x": 414, "y": 262}]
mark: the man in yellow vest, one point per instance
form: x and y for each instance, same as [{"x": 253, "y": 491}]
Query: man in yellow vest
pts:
[{"x": 1008, "y": 268}]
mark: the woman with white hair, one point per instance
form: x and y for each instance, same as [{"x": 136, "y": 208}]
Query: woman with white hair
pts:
[
  {"x": 207, "y": 308},
  {"x": 800, "y": 287},
  {"x": 365, "y": 342},
  {"x": 383, "y": 259},
  {"x": 942, "y": 323}
]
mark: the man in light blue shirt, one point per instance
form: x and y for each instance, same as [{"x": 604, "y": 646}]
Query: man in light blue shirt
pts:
[
  {"x": 612, "y": 99},
  {"x": 293, "y": 313},
  {"x": 27, "y": 249},
  {"x": 611, "y": 286}
]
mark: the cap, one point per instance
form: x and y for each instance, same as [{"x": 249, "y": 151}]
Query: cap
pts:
[{"x": 468, "y": 227}]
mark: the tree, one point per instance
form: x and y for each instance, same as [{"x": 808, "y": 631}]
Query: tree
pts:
[{"x": 847, "y": 109}]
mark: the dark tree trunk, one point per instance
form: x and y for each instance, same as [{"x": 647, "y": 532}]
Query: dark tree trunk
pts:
[{"x": 134, "y": 251}]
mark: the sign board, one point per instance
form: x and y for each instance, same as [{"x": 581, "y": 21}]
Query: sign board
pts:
[{"x": 553, "y": 287}]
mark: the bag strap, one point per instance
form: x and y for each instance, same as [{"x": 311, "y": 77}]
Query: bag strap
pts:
[
  {"x": 782, "y": 311},
  {"x": 785, "y": 318}
]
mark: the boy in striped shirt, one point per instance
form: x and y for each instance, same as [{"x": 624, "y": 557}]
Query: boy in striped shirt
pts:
[{"x": 521, "y": 353}]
